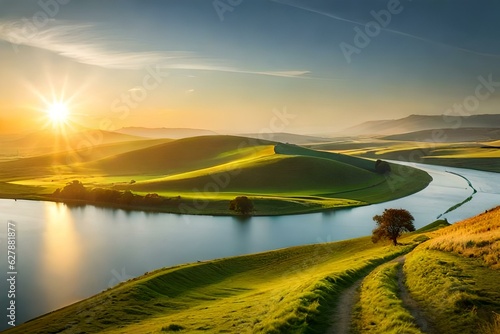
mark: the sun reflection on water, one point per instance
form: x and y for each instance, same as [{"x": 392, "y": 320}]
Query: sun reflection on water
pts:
[{"x": 61, "y": 252}]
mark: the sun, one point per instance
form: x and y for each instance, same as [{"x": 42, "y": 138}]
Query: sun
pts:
[{"x": 58, "y": 113}]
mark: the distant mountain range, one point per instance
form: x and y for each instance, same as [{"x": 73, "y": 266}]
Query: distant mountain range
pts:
[
  {"x": 50, "y": 141},
  {"x": 450, "y": 135},
  {"x": 172, "y": 133},
  {"x": 290, "y": 138},
  {"x": 415, "y": 123}
]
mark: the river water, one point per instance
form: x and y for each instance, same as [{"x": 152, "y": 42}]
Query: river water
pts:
[{"x": 65, "y": 254}]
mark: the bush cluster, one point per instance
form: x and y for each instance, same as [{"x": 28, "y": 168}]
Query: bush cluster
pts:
[{"x": 75, "y": 190}]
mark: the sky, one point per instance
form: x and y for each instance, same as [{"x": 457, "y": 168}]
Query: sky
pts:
[{"x": 303, "y": 66}]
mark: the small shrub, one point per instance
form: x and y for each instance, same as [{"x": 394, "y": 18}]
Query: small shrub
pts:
[
  {"x": 382, "y": 167},
  {"x": 241, "y": 204},
  {"x": 172, "y": 328},
  {"x": 421, "y": 238}
]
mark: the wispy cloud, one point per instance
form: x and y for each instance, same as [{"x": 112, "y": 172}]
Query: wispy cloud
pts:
[
  {"x": 82, "y": 43},
  {"x": 397, "y": 32},
  {"x": 312, "y": 10},
  {"x": 219, "y": 68}
]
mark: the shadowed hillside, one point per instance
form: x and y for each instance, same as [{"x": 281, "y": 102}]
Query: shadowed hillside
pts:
[{"x": 180, "y": 155}]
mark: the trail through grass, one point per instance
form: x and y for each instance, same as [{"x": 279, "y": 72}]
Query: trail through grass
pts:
[{"x": 385, "y": 305}]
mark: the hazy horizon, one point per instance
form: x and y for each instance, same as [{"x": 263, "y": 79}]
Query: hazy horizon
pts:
[{"x": 288, "y": 65}]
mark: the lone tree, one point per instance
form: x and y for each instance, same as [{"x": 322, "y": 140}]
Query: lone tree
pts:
[
  {"x": 382, "y": 167},
  {"x": 72, "y": 190},
  {"x": 241, "y": 204},
  {"x": 391, "y": 224}
]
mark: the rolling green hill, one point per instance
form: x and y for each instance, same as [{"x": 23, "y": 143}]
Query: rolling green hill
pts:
[
  {"x": 283, "y": 291},
  {"x": 280, "y": 178},
  {"x": 49, "y": 164},
  {"x": 343, "y": 158},
  {"x": 301, "y": 290},
  {"x": 180, "y": 155},
  {"x": 275, "y": 174}
]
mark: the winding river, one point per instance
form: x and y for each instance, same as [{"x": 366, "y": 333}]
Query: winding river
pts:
[{"x": 65, "y": 254}]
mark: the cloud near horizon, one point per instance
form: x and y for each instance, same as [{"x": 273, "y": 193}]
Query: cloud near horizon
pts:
[{"x": 80, "y": 42}]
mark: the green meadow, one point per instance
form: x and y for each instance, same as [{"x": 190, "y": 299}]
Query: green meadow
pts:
[
  {"x": 297, "y": 289},
  {"x": 203, "y": 173},
  {"x": 473, "y": 155}
]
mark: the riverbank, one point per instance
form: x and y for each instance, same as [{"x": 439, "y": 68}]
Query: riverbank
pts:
[
  {"x": 401, "y": 182},
  {"x": 298, "y": 288},
  {"x": 468, "y": 199},
  {"x": 201, "y": 175},
  {"x": 142, "y": 241}
]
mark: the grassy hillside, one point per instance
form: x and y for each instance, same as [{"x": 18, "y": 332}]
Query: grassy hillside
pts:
[
  {"x": 284, "y": 291},
  {"x": 179, "y": 156},
  {"x": 381, "y": 309},
  {"x": 451, "y": 283},
  {"x": 303, "y": 175},
  {"x": 60, "y": 163},
  {"x": 203, "y": 173},
  {"x": 481, "y": 156},
  {"x": 298, "y": 289},
  {"x": 346, "y": 159},
  {"x": 294, "y": 171},
  {"x": 477, "y": 237}
]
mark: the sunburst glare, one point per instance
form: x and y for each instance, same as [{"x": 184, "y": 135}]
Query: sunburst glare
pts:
[{"x": 58, "y": 113}]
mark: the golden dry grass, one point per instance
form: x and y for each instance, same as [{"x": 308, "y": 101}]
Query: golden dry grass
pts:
[{"x": 476, "y": 237}]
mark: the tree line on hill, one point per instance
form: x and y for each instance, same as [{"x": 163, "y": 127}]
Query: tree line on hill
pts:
[{"x": 75, "y": 190}]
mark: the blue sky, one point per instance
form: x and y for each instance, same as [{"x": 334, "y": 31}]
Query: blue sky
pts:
[{"x": 231, "y": 65}]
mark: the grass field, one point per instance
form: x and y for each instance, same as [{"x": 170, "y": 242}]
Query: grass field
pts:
[
  {"x": 458, "y": 294},
  {"x": 380, "y": 309},
  {"x": 452, "y": 277},
  {"x": 296, "y": 290},
  {"x": 480, "y": 156},
  {"x": 284, "y": 291},
  {"x": 473, "y": 155},
  {"x": 204, "y": 173},
  {"x": 477, "y": 237}
]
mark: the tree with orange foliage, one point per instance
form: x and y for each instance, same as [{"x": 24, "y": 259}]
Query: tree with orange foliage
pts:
[{"x": 391, "y": 224}]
